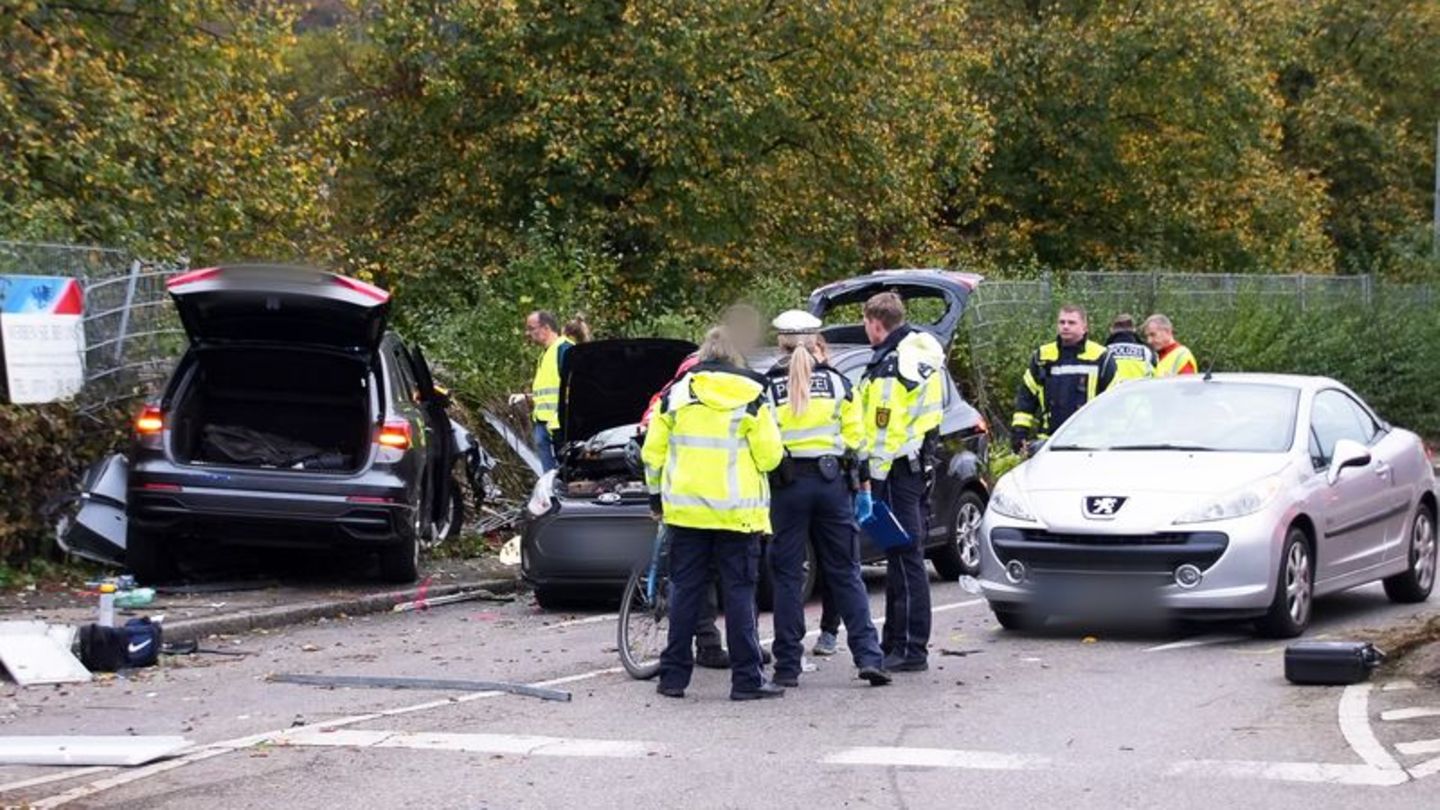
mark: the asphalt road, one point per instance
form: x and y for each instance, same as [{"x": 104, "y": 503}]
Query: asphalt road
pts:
[{"x": 1079, "y": 716}]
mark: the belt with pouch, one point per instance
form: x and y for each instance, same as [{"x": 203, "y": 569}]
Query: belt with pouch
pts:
[{"x": 826, "y": 467}]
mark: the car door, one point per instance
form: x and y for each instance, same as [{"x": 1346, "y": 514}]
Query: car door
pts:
[
  {"x": 1357, "y": 505},
  {"x": 442, "y": 450}
]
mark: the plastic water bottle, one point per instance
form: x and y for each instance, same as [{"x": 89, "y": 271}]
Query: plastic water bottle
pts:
[{"x": 107, "y": 606}]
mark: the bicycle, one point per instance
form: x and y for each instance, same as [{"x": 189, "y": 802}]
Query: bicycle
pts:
[{"x": 644, "y": 627}]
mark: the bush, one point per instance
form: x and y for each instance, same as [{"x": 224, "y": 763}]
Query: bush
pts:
[{"x": 1386, "y": 349}]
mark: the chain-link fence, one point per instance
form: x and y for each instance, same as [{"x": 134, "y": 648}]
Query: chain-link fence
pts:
[
  {"x": 1008, "y": 319},
  {"x": 132, "y": 334}
]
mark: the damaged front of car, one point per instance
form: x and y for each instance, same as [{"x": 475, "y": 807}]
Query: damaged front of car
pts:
[{"x": 588, "y": 521}]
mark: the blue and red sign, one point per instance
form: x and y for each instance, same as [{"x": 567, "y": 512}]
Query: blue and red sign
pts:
[{"x": 40, "y": 295}]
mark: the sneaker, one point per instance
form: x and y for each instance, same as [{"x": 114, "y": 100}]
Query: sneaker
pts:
[
  {"x": 827, "y": 644},
  {"x": 898, "y": 664},
  {"x": 766, "y": 690},
  {"x": 787, "y": 681},
  {"x": 670, "y": 691},
  {"x": 876, "y": 676},
  {"x": 712, "y": 658}
]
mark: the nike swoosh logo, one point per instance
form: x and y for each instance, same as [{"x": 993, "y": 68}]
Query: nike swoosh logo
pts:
[{"x": 138, "y": 647}]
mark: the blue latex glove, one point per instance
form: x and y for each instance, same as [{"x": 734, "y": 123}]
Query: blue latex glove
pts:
[{"x": 864, "y": 506}]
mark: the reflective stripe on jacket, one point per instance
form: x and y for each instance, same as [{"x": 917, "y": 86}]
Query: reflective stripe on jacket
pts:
[
  {"x": 546, "y": 387},
  {"x": 830, "y": 425},
  {"x": 1130, "y": 359},
  {"x": 1057, "y": 382},
  {"x": 1175, "y": 360},
  {"x": 902, "y": 396},
  {"x": 709, "y": 448}
]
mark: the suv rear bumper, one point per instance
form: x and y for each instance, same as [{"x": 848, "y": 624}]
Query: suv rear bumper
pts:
[{"x": 311, "y": 510}]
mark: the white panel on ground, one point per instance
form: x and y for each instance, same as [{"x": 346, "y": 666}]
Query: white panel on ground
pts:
[
  {"x": 34, "y": 659},
  {"x": 516, "y": 744},
  {"x": 119, "y": 750}
]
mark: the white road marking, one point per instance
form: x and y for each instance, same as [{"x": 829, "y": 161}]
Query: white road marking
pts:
[
  {"x": 1292, "y": 772},
  {"x": 936, "y": 758},
  {"x": 1398, "y": 686},
  {"x": 516, "y": 744},
  {"x": 1409, "y": 714},
  {"x": 1418, "y": 747},
  {"x": 1425, "y": 769},
  {"x": 75, "y": 773},
  {"x": 1199, "y": 641},
  {"x": 1354, "y": 720}
]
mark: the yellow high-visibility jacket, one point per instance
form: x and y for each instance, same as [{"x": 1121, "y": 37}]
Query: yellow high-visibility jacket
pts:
[
  {"x": 903, "y": 398},
  {"x": 546, "y": 388},
  {"x": 1175, "y": 361},
  {"x": 709, "y": 449},
  {"x": 831, "y": 424}
]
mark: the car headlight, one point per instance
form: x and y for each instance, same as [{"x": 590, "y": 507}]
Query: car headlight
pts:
[
  {"x": 1007, "y": 501},
  {"x": 542, "y": 497},
  {"x": 1239, "y": 502}
]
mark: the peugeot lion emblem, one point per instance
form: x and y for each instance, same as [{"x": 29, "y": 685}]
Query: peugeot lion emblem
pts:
[{"x": 1102, "y": 507}]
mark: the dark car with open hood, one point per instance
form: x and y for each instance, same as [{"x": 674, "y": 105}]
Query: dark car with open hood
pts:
[
  {"x": 589, "y": 522},
  {"x": 293, "y": 419}
]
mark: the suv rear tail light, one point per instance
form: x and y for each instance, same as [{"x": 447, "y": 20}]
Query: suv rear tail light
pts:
[
  {"x": 150, "y": 421},
  {"x": 394, "y": 433}
]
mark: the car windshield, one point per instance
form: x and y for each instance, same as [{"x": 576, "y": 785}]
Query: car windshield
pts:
[{"x": 1190, "y": 415}]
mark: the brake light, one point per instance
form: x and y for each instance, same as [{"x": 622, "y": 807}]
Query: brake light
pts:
[
  {"x": 369, "y": 290},
  {"x": 396, "y": 434},
  {"x": 191, "y": 277},
  {"x": 150, "y": 421},
  {"x": 153, "y": 487}
]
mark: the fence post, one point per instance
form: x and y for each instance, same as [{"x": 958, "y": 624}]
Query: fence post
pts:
[
  {"x": 1367, "y": 283},
  {"x": 125, "y": 313}
]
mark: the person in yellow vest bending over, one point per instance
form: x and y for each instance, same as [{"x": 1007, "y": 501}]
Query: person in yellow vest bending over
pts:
[
  {"x": 543, "y": 328},
  {"x": 1174, "y": 359}
]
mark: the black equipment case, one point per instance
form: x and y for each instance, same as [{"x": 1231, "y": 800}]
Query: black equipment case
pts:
[{"x": 1330, "y": 662}]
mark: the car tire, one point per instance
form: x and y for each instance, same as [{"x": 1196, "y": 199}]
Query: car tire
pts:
[
  {"x": 765, "y": 588},
  {"x": 149, "y": 556},
  {"x": 1294, "y": 601},
  {"x": 453, "y": 517},
  {"x": 559, "y": 598},
  {"x": 1415, "y": 583},
  {"x": 960, "y": 556},
  {"x": 1017, "y": 620},
  {"x": 400, "y": 561}
]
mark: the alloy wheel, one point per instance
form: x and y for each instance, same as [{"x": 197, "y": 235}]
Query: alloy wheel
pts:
[
  {"x": 1297, "y": 583},
  {"x": 1422, "y": 549},
  {"x": 967, "y": 535}
]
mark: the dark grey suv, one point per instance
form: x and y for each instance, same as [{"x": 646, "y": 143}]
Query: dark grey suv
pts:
[
  {"x": 294, "y": 419},
  {"x": 590, "y": 521}
]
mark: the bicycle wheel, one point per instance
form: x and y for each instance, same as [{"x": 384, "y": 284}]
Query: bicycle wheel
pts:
[{"x": 644, "y": 625}]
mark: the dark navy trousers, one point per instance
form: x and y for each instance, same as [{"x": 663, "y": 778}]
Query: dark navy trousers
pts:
[
  {"x": 812, "y": 509},
  {"x": 736, "y": 558},
  {"x": 907, "y": 583}
]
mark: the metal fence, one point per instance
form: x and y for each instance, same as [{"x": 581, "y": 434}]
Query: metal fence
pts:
[{"x": 132, "y": 334}]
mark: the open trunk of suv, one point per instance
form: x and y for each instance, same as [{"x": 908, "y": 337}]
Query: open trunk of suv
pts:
[
  {"x": 271, "y": 407},
  {"x": 604, "y": 389}
]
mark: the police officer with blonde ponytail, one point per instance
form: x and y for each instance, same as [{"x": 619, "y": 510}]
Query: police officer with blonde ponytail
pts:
[{"x": 811, "y": 499}]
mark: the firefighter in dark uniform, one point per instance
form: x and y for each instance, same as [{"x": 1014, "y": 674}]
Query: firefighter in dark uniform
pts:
[
  {"x": 1063, "y": 375},
  {"x": 811, "y": 499},
  {"x": 902, "y": 393}
]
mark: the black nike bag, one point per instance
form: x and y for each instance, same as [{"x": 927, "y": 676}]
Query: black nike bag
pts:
[
  {"x": 110, "y": 649},
  {"x": 102, "y": 649},
  {"x": 1335, "y": 663}
]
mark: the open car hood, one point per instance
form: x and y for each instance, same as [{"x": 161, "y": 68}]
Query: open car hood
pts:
[
  {"x": 607, "y": 383},
  {"x": 269, "y": 304},
  {"x": 952, "y": 288}
]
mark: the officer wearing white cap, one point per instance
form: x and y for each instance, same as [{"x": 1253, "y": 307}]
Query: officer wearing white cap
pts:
[{"x": 811, "y": 501}]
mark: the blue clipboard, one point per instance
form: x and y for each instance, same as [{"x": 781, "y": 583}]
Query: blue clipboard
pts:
[{"x": 885, "y": 529}]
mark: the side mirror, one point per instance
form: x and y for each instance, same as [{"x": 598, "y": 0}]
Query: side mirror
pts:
[{"x": 1348, "y": 453}]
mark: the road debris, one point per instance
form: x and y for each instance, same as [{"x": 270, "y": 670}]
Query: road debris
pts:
[
  {"x": 74, "y": 750},
  {"x": 375, "y": 682},
  {"x": 425, "y": 603}
]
